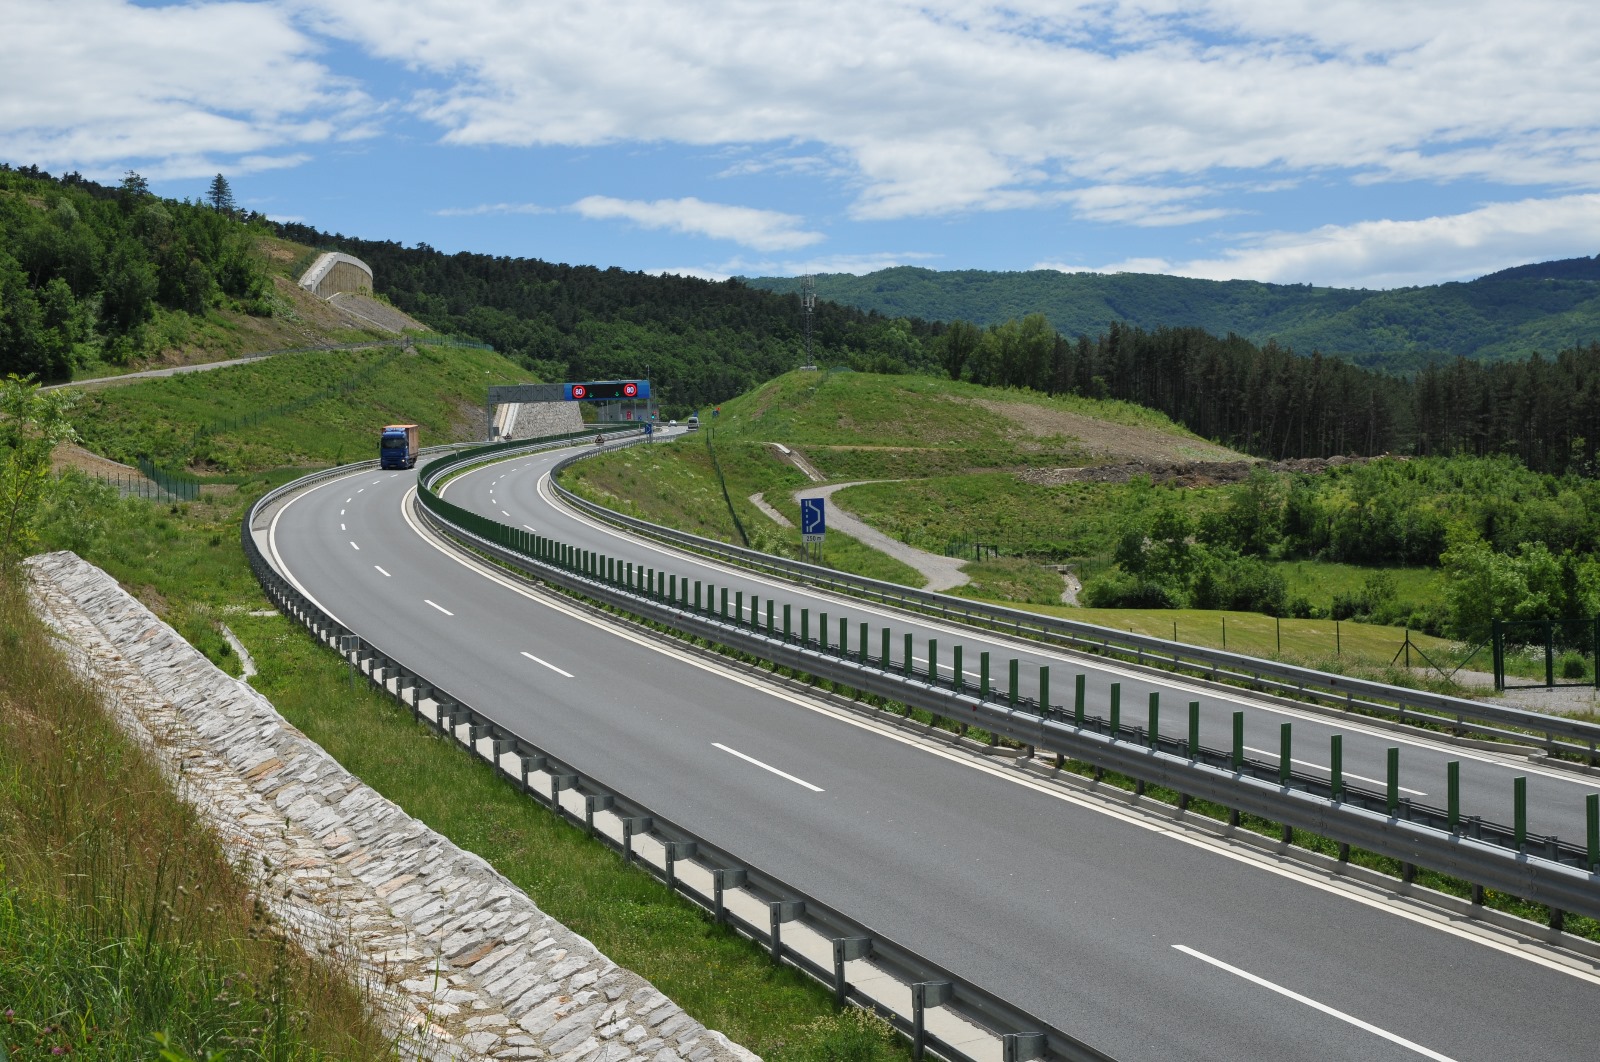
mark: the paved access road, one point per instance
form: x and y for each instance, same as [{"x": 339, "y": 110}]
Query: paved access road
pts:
[
  {"x": 518, "y": 492},
  {"x": 1145, "y": 941}
]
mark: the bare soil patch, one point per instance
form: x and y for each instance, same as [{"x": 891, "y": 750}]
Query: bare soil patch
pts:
[
  {"x": 70, "y": 455},
  {"x": 1181, "y": 473},
  {"x": 1104, "y": 439}
]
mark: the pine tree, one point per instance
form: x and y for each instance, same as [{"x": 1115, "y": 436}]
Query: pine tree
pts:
[{"x": 219, "y": 195}]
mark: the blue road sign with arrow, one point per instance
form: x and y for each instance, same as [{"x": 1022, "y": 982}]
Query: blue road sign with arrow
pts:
[{"x": 813, "y": 521}]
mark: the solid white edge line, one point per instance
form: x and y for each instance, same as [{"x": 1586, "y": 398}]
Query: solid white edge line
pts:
[
  {"x": 869, "y": 608},
  {"x": 548, "y": 664},
  {"x": 1355, "y": 892},
  {"x": 1314, "y": 1005},
  {"x": 1329, "y": 770},
  {"x": 768, "y": 767},
  {"x": 382, "y": 572},
  {"x": 440, "y": 607}
]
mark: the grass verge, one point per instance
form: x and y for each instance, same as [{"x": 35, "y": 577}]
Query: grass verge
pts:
[{"x": 120, "y": 916}]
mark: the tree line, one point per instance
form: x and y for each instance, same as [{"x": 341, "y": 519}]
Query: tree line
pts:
[
  {"x": 85, "y": 269},
  {"x": 1269, "y": 401}
]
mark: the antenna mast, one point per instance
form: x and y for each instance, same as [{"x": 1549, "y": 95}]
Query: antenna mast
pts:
[{"x": 808, "y": 302}]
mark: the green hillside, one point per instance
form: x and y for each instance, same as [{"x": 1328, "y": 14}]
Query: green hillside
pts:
[
  {"x": 295, "y": 409},
  {"x": 1545, "y": 307}
]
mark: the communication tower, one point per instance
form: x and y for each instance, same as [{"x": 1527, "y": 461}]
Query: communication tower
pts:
[{"x": 808, "y": 303}]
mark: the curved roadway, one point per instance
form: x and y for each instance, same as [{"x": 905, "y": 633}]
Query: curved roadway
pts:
[{"x": 1146, "y": 941}]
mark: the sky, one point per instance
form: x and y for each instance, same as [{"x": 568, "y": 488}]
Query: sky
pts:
[{"x": 1334, "y": 142}]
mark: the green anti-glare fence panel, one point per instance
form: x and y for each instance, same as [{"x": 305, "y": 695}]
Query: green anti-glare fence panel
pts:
[
  {"x": 805, "y": 626},
  {"x": 957, "y": 676},
  {"x": 1116, "y": 708},
  {"x": 770, "y": 628},
  {"x": 908, "y": 659}
]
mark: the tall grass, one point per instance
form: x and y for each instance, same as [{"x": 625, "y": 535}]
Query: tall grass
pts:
[{"x": 121, "y": 918}]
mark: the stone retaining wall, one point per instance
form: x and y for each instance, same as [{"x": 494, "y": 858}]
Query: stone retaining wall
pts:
[
  {"x": 462, "y": 964},
  {"x": 535, "y": 420}
]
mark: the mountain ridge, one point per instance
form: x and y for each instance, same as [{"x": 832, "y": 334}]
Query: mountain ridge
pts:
[{"x": 1539, "y": 307}]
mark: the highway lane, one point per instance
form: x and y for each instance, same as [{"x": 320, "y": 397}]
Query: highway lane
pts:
[
  {"x": 1074, "y": 909},
  {"x": 517, "y": 492}
]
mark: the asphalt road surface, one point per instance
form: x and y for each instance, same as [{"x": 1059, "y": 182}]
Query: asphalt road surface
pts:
[{"x": 1144, "y": 940}]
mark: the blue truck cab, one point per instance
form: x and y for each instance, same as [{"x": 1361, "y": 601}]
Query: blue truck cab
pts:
[{"x": 397, "y": 446}]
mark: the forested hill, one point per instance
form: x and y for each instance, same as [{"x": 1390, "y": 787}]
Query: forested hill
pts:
[
  {"x": 1546, "y": 307},
  {"x": 699, "y": 340}
]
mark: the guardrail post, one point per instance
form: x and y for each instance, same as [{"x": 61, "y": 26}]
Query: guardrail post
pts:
[
  {"x": 1519, "y": 811},
  {"x": 1238, "y": 741},
  {"x": 925, "y": 994},
  {"x": 1155, "y": 719},
  {"x": 1452, "y": 776},
  {"x": 1013, "y": 676},
  {"x": 530, "y": 763},
  {"x": 1592, "y": 808},
  {"x": 559, "y": 782},
  {"x": 1285, "y": 750},
  {"x": 844, "y": 950},
  {"x": 910, "y": 666},
  {"x": 1022, "y": 1047},
  {"x": 1044, "y": 690},
  {"x": 1194, "y": 729},
  {"x": 983, "y": 676},
  {"x": 721, "y": 881},
  {"x": 779, "y": 912},
  {"x": 676, "y": 850},
  {"x": 1392, "y": 795},
  {"x": 631, "y": 826},
  {"x": 592, "y": 803},
  {"x": 956, "y": 674},
  {"x": 1116, "y": 708}
]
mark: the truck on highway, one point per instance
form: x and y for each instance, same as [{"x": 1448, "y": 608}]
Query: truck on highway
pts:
[{"x": 397, "y": 446}]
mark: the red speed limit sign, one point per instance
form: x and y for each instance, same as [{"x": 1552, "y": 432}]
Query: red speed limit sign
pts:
[
  {"x": 630, "y": 390},
  {"x": 579, "y": 391}
]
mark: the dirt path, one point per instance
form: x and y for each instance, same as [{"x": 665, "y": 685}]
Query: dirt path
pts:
[
  {"x": 943, "y": 573},
  {"x": 772, "y": 514}
]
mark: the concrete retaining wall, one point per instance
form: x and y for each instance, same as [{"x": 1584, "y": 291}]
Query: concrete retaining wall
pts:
[{"x": 463, "y": 965}]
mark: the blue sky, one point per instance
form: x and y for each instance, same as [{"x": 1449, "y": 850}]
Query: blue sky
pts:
[{"x": 1333, "y": 142}]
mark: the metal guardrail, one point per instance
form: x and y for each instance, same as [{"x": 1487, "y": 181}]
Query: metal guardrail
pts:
[
  {"x": 1571, "y": 736},
  {"x": 1485, "y": 854},
  {"x": 1022, "y": 1036}
]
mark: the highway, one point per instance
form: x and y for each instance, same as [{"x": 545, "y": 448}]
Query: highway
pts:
[
  {"x": 518, "y": 493},
  {"x": 1144, "y": 940}
]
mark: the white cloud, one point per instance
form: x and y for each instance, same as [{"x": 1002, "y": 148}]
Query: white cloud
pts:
[
  {"x": 954, "y": 105},
  {"x": 483, "y": 209},
  {"x": 1386, "y": 254},
  {"x": 175, "y": 91},
  {"x": 764, "y": 230}
]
